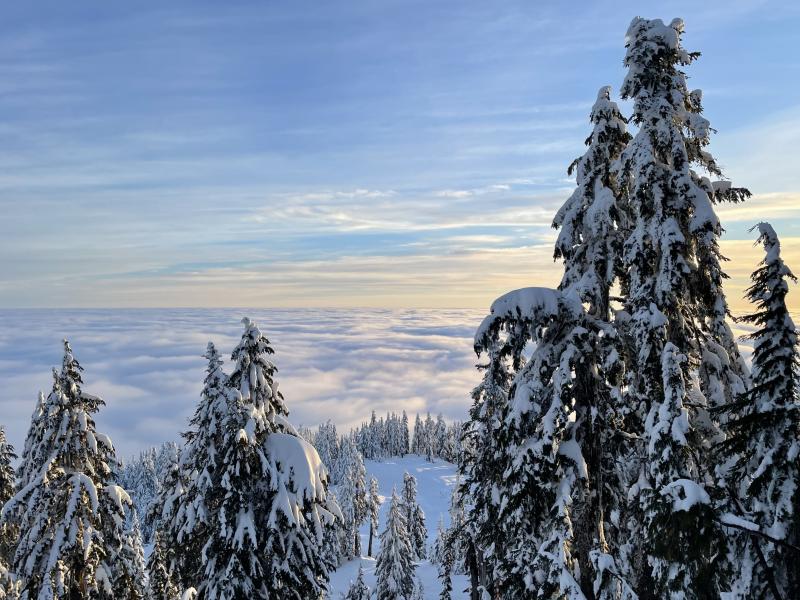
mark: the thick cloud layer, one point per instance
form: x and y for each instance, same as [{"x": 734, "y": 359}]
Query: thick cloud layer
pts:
[{"x": 148, "y": 365}]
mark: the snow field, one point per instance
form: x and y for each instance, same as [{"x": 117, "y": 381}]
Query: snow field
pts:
[{"x": 435, "y": 481}]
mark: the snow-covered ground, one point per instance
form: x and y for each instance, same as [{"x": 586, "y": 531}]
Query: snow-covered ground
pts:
[{"x": 434, "y": 483}]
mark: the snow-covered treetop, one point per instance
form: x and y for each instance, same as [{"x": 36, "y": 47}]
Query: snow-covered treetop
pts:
[
  {"x": 526, "y": 308},
  {"x": 590, "y": 239},
  {"x": 772, "y": 246},
  {"x": 298, "y": 467},
  {"x": 253, "y": 373}
]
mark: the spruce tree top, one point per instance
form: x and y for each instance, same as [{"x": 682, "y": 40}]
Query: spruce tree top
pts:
[
  {"x": 253, "y": 376},
  {"x": 590, "y": 238},
  {"x": 7, "y": 456}
]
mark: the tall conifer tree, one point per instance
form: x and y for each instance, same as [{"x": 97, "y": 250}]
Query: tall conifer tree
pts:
[{"x": 760, "y": 455}]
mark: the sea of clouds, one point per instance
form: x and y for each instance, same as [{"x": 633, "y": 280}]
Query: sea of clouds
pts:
[{"x": 148, "y": 365}]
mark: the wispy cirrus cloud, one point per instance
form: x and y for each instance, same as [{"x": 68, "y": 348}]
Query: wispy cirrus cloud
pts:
[{"x": 178, "y": 148}]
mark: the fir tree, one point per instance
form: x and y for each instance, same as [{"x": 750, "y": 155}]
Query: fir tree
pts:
[
  {"x": 271, "y": 504},
  {"x": 327, "y": 444},
  {"x": 353, "y": 497},
  {"x": 71, "y": 515},
  {"x": 7, "y": 477},
  {"x": 760, "y": 454},
  {"x": 444, "y": 557},
  {"x": 34, "y": 452},
  {"x": 373, "y": 506},
  {"x": 482, "y": 469},
  {"x": 131, "y": 563},
  {"x": 592, "y": 224},
  {"x": 394, "y": 568},
  {"x": 333, "y": 538},
  {"x": 417, "y": 446},
  {"x": 439, "y": 436},
  {"x": 684, "y": 361},
  {"x": 427, "y": 438},
  {"x": 406, "y": 443},
  {"x": 8, "y": 533},
  {"x": 160, "y": 582},
  {"x": 138, "y": 476},
  {"x": 358, "y": 589},
  {"x": 198, "y": 472},
  {"x": 414, "y": 517}
]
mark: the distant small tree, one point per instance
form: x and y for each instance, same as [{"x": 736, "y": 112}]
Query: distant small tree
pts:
[
  {"x": 358, "y": 589},
  {"x": 8, "y": 533},
  {"x": 395, "y": 568},
  {"x": 417, "y": 443},
  {"x": 353, "y": 497},
  {"x": 160, "y": 582},
  {"x": 373, "y": 505},
  {"x": 444, "y": 557},
  {"x": 414, "y": 516},
  {"x": 132, "y": 556}
]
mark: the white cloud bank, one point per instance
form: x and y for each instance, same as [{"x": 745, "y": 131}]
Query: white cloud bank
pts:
[{"x": 147, "y": 364}]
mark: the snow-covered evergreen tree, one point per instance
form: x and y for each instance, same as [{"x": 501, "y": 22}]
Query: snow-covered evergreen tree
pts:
[
  {"x": 395, "y": 568},
  {"x": 358, "y": 589},
  {"x": 35, "y": 453},
  {"x": 428, "y": 437},
  {"x": 551, "y": 468},
  {"x": 593, "y": 450},
  {"x": 439, "y": 436},
  {"x": 138, "y": 476},
  {"x": 198, "y": 466},
  {"x": 7, "y": 477},
  {"x": 373, "y": 506},
  {"x": 271, "y": 503},
  {"x": 131, "y": 562},
  {"x": 71, "y": 515},
  {"x": 444, "y": 557},
  {"x": 352, "y": 497},
  {"x": 414, "y": 517},
  {"x": 333, "y": 538},
  {"x": 481, "y": 469},
  {"x": 683, "y": 359},
  {"x": 406, "y": 444},
  {"x": 8, "y": 533},
  {"x": 760, "y": 455},
  {"x": 418, "y": 444},
  {"x": 161, "y": 584},
  {"x": 327, "y": 444}
]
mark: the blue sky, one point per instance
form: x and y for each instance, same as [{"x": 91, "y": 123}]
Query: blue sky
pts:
[{"x": 360, "y": 153}]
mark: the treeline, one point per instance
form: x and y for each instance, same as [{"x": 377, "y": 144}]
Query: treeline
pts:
[{"x": 385, "y": 438}]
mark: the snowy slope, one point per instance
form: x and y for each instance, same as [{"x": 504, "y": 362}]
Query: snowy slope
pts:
[{"x": 434, "y": 483}]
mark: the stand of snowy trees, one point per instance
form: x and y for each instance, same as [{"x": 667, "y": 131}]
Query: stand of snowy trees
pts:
[
  {"x": 384, "y": 438},
  {"x": 241, "y": 511},
  {"x": 618, "y": 446}
]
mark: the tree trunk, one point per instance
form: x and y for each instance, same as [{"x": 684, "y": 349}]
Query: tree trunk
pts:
[
  {"x": 474, "y": 576},
  {"x": 588, "y": 512},
  {"x": 369, "y": 546}
]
